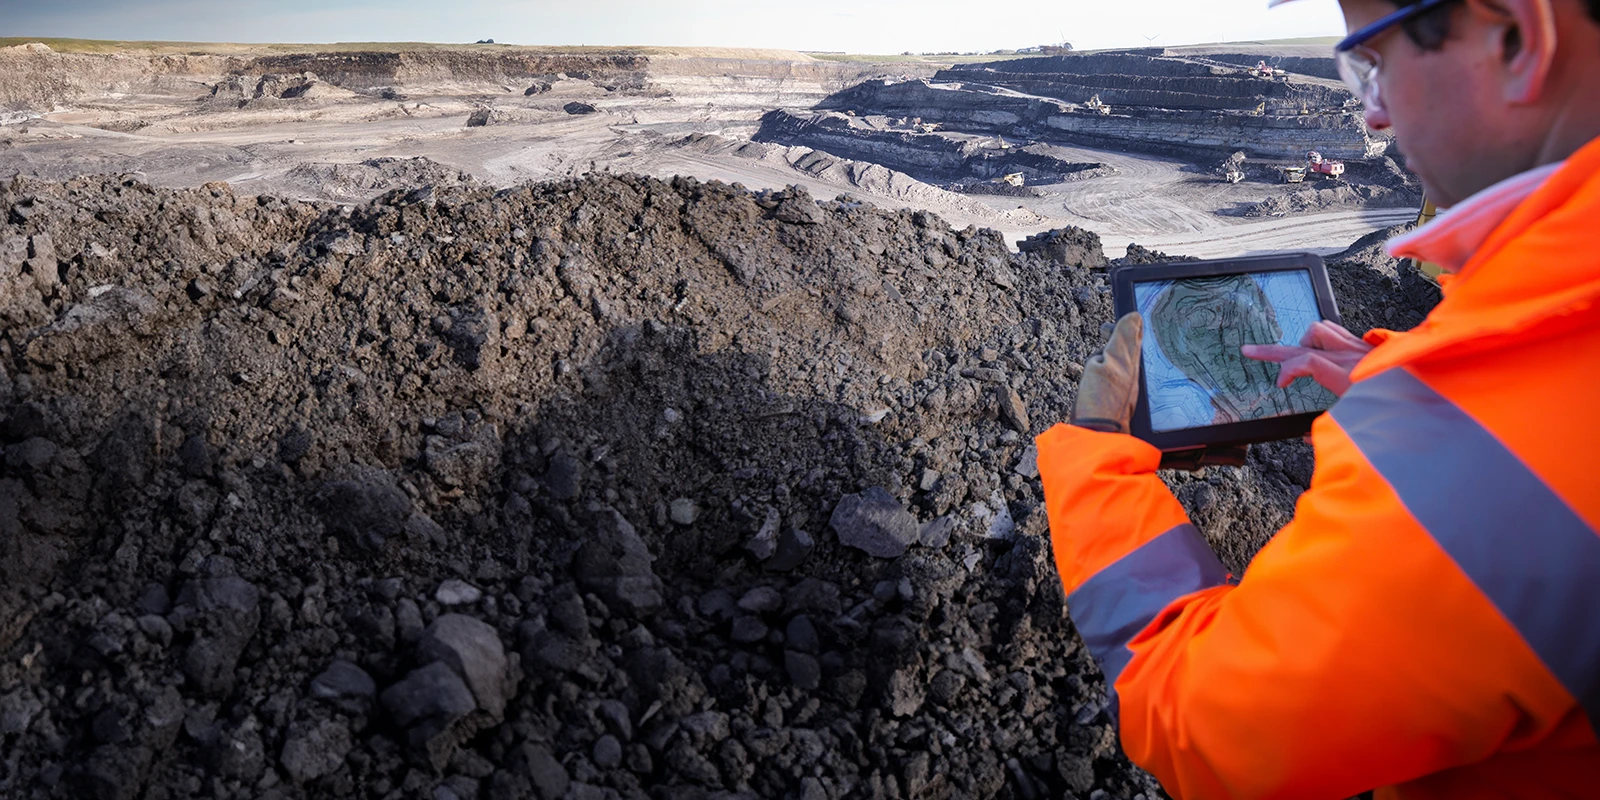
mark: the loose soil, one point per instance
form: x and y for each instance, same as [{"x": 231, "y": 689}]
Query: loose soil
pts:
[{"x": 477, "y": 493}]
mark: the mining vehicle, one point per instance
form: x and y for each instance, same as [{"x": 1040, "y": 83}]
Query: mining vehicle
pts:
[
  {"x": 1016, "y": 179},
  {"x": 1232, "y": 169},
  {"x": 1294, "y": 174},
  {"x": 1096, "y": 106},
  {"x": 1426, "y": 215},
  {"x": 1321, "y": 166},
  {"x": 1261, "y": 70}
]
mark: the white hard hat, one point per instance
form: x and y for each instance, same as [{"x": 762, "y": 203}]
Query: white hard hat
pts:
[{"x": 1274, "y": 3}]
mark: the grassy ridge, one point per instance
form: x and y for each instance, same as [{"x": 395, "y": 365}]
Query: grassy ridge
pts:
[
  {"x": 236, "y": 49},
  {"x": 933, "y": 60}
]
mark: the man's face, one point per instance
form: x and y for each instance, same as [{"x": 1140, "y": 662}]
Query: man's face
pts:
[{"x": 1443, "y": 106}]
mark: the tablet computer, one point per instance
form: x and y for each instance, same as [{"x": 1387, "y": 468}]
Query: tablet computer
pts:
[{"x": 1198, "y": 393}]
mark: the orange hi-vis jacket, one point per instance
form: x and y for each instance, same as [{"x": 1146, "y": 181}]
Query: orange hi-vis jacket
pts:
[{"x": 1430, "y": 620}]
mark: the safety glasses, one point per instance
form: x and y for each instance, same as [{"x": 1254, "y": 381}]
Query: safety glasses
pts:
[{"x": 1358, "y": 64}]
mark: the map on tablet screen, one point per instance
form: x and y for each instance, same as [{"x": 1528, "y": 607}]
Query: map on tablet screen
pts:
[{"x": 1194, "y": 327}]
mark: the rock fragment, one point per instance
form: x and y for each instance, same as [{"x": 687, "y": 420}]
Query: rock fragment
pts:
[
  {"x": 364, "y": 507},
  {"x": 1012, "y": 409},
  {"x": 765, "y": 543},
  {"x": 761, "y": 600},
  {"x": 548, "y": 778},
  {"x": 42, "y": 263},
  {"x": 1028, "y": 465},
  {"x": 684, "y": 511},
  {"x": 994, "y": 517},
  {"x": 17, "y": 710},
  {"x": 456, "y": 592},
  {"x": 346, "y": 685},
  {"x": 432, "y": 704},
  {"x": 615, "y": 564},
  {"x": 314, "y": 749},
  {"x": 875, "y": 523},
  {"x": 935, "y": 533},
  {"x": 607, "y": 752},
  {"x": 985, "y": 374},
  {"x": 798, "y": 211},
  {"x": 804, "y": 670},
  {"x": 747, "y": 629},
  {"x": 472, "y": 648},
  {"x": 564, "y": 476},
  {"x": 794, "y": 547},
  {"x": 904, "y": 693},
  {"x": 223, "y": 614},
  {"x": 801, "y": 635}
]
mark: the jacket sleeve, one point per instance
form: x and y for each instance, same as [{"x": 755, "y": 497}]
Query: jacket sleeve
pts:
[
  {"x": 1352, "y": 655},
  {"x": 1123, "y": 545}
]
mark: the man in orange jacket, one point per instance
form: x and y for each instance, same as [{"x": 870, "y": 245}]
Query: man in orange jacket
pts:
[{"x": 1430, "y": 620}]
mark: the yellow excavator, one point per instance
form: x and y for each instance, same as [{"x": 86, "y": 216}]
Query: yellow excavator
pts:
[{"x": 1425, "y": 216}]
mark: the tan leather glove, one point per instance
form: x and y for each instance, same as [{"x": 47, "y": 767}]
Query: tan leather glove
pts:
[{"x": 1109, "y": 389}]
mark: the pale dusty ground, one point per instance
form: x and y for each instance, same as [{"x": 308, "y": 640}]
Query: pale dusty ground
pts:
[{"x": 179, "y": 141}]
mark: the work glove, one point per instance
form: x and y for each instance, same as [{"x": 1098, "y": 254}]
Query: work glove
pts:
[{"x": 1109, "y": 389}]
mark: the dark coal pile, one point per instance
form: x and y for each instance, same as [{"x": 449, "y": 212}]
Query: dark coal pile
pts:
[{"x": 611, "y": 488}]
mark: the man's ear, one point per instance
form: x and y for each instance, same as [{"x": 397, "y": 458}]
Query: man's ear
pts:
[{"x": 1523, "y": 34}]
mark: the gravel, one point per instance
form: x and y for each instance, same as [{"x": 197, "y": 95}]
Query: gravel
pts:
[{"x": 380, "y": 500}]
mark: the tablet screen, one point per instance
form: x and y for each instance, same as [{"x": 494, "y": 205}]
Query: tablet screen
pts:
[{"x": 1194, "y": 373}]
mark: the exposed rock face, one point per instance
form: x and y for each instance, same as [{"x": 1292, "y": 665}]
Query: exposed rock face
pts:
[
  {"x": 34, "y": 76},
  {"x": 1150, "y": 82},
  {"x": 377, "y": 69},
  {"x": 967, "y": 106},
  {"x": 934, "y": 157},
  {"x": 1319, "y": 67}
]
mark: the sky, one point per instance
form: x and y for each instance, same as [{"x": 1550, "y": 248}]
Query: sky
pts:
[{"x": 856, "y": 26}]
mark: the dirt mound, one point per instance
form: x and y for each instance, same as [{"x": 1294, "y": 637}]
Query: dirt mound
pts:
[
  {"x": 1332, "y": 195},
  {"x": 465, "y": 493},
  {"x": 244, "y": 91},
  {"x": 1404, "y": 294},
  {"x": 871, "y": 178}
]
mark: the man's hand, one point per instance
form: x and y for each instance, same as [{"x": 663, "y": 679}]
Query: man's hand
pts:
[
  {"x": 1110, "y": 386},
  {"x": 1327, "y": 354}
]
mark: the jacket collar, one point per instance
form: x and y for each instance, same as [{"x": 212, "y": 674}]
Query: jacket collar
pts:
[
  {"x": 1450, "y": 240},
  {"x": 1532, "y": 261}
]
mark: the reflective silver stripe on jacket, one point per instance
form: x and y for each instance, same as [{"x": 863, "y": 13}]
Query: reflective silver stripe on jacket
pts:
[{"x": 1522, "y": 545}]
